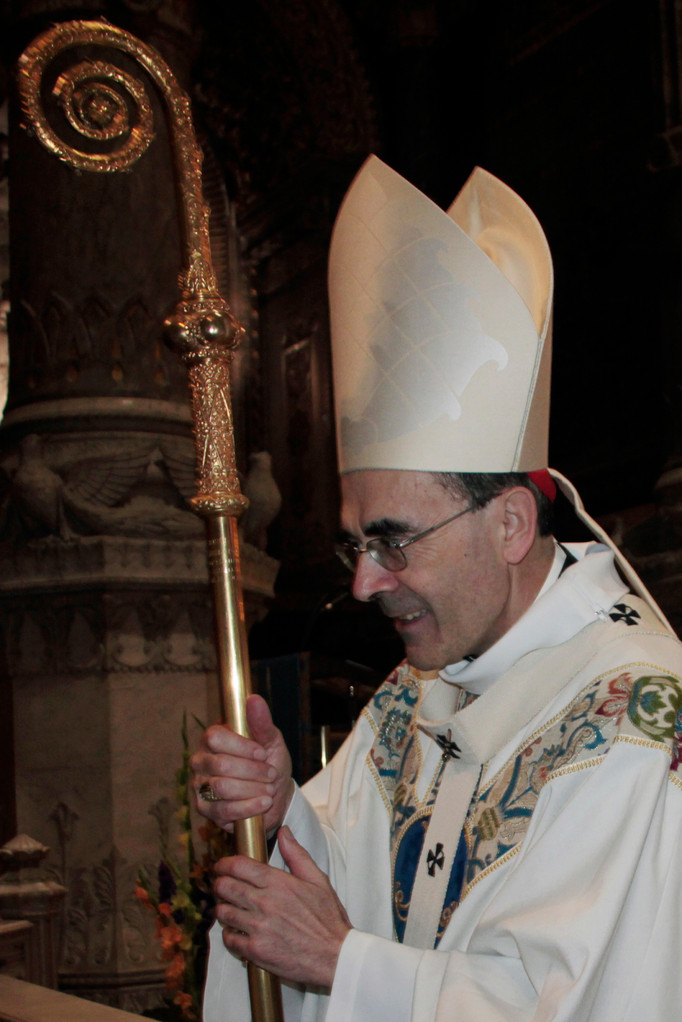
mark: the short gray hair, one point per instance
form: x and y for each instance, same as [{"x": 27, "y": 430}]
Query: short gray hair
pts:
[{"x": 482, "y": 487}]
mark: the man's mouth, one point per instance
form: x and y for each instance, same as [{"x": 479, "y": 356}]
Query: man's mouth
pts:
[
  {"x": 402, "y": 617},
  {"x": 401, "y": 620}
]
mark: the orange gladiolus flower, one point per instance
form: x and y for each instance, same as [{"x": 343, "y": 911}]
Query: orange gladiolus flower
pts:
[
  {"x": 170, "y": 936},
  {"x": 186, "y": 1005},
  {"x": 142, "y": 896},
  {"x": 175, "y": 971}
]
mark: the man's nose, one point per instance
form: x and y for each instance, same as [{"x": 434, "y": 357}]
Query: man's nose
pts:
[{"x": 370, "y": 579}]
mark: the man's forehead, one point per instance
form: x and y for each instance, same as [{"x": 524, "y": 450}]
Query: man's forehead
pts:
[{"x": 400, "y": 494}]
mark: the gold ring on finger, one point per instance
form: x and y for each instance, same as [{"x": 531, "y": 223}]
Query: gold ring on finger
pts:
[{"x": 207, "y": 793}]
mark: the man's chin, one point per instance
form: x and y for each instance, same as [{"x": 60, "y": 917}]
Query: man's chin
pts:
[{"x": 421, "y": 660}]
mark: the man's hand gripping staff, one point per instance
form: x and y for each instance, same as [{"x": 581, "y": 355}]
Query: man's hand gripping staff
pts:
[{"x": 290, "y": 923}]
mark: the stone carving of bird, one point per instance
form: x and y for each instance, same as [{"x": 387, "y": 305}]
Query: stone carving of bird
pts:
[
  {"x": 35, "y": 493},
  {"x": 265, "y": 500}
]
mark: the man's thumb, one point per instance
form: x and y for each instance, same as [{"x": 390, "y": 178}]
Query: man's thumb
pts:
[
  {"x": 259, "y": 719},
  {"x": 295, "y": 856}
]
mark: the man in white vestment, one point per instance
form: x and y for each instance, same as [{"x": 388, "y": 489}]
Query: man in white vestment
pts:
[{"x": 500, "y": 838}]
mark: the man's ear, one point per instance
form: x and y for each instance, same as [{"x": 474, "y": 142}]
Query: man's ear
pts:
[{"x": 520, "y": 519}]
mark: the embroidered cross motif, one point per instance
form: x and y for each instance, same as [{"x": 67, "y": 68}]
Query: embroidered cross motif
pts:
[
  {"x": 451, "y": 750},
  {"x": 624, "y": 613},
  {"x": 434, "y": 859}
]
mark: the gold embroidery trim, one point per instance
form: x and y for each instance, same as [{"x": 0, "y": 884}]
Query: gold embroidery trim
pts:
[
  {"x": 407, "y": 677},
  {"x": 419, "y": 814},
  {"x": 645, "y": 743},
  {"x": 489, "y": 869},
  {"x": 562, "y": 713}
]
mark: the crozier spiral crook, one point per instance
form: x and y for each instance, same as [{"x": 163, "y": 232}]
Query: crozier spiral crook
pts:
[{"x": 99, "y": 100}]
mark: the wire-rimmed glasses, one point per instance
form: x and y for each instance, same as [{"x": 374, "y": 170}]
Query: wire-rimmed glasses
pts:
[{"x": 387, "y": 551}]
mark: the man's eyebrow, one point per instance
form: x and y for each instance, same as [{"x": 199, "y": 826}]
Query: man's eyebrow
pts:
[{"x": 386, "y": 527}]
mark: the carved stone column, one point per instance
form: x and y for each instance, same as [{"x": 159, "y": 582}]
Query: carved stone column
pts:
[{"x": 106, "y": 630}]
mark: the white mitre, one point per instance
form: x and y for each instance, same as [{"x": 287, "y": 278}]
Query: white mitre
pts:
[
  {"x": 440, "y": 327},
  {"x": 441, "y": 334}
]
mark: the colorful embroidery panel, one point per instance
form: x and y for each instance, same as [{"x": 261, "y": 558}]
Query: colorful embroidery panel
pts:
[
  {"x": 627, "y": 704},
  {"x": 632, "y": 703}
]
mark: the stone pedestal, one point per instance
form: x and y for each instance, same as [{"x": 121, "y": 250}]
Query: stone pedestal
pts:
[
  {"x": 109, "y": 643},
  {"x": 15, "y": 949},
  {"x": 28, "y": 896}
]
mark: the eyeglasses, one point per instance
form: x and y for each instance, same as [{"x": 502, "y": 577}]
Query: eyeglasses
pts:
[{"x": 387, "y": 551}]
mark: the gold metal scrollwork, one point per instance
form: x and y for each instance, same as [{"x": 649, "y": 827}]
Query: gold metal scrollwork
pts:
[
  {"x": 99, "y": 100},
  {"x": 96, "y": 109}
]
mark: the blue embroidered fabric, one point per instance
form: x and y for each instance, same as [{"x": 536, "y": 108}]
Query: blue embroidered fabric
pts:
[{"x": 407, "y": 857}]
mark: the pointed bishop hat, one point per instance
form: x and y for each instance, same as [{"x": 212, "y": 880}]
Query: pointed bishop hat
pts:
[{"x": 440, "y": 327}]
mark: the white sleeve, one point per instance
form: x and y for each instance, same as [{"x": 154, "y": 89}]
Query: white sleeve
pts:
[
  {"x": 379, "y": 979},
  {"x": 326, "y": 812},
  {"x": 326, "y": 817}
]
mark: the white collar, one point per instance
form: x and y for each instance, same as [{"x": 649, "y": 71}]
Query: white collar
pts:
[{"x": 567, "y": 602}]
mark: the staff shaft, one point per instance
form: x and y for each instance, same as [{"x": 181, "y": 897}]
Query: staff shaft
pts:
[{"x": 235, "y": 687}]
